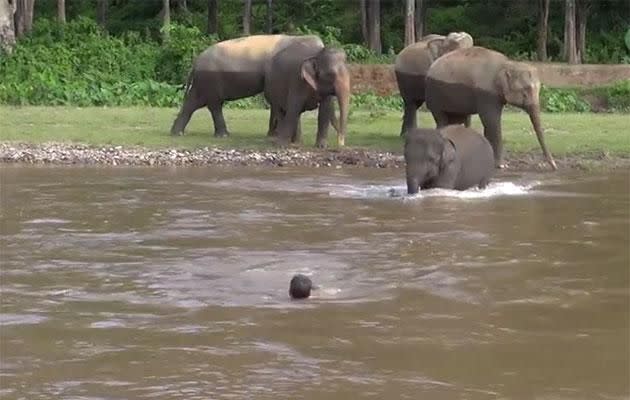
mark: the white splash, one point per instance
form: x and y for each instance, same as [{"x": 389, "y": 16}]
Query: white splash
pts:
[{"x": 494, "y": 189}]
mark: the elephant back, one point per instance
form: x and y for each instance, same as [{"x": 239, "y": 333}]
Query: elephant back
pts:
[
  {"x": 474, "y": 67},
  {"x": 415, "y": 57},
  {"x": 246, "y": 54}
]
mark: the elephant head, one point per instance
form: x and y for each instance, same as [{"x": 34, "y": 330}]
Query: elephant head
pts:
[
  {"x": 520, "y": 86},
  {"x": 327, "y": 74},
  {"x": 441, "y": 45},
  {"x": 428, "y": 155}
]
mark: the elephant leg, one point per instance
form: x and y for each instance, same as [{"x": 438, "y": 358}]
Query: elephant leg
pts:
[
  {"x": 289, "y": 124},
  {"x": 441, "y": 119},
  {"x": 409, "y": 117},
  {"x": 297, "y": 136},
  {"x": 191, "y": 104},
  {"x": 326, "y": 108},
  {"x": 491, "y": 120},
  {"x": 467, "y": 121},
  {"x": 456, "y": 119},
  {"x": 220, "y": 129},
  {"x": 275, "y": 115}
]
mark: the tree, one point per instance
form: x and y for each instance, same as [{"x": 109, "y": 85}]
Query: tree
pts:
[
  {"x": 543, "y": 29},
  {"x": 213, "y": 17},
  {"x": 364, "y": 28},
  {"x": 7, "y": 28},
  {"x": 584, "y": 8},
  {"x": 374, "y": 25},
  {"x": 570, "y": 45},
  {"x": 166, "y": 17},
  {"x": 182, "y": 6},
  {"x": 61, "y": 11},
  {"x": 421, "y": 17},
  {"x": 101, "y": 12},
  {"x": 269, "y": 16},
  {"x": 247, "y": 17},
  {"x": 23, "y": 17},
  {"x": 410, "y": 25}
]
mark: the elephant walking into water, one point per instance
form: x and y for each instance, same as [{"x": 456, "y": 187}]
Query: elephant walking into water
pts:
[
  {"x": 230, "y": 70},
  {"x": 454, "y": 157},
  {"x": 412, "y": 65},
  {"x": 304, "y": 76},
  {"x": 480, "y": 81}
]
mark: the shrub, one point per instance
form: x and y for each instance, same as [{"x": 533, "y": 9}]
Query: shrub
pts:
[{"x": 562, "y": 100}]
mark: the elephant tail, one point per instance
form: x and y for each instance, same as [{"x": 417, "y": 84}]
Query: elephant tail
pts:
[{"x": 189, "y": 83}]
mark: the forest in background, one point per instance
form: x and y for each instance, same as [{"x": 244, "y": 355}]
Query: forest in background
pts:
[{"x": 138, "y": 52}]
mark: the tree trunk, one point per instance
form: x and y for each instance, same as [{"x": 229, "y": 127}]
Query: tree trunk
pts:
[
  {"x": 213, "y": 17},
  {"x": 374, "y": 26},
  {"x": 247, "y": 18},
  {"x": 570, "y": 49},
  {"x": 364, "y": 28},
  {"x": 269, "y": 16},
  {"x": 61, "y": 11},
  {"x": 182, "y": 6},
  {"x": 421, "y": 17},
  {"x": 23, "y": 17},
  {"x": 543, "y": 29},
  {"x": 101, "y": 12},
  {"x": 410, "y": 25},
  {"x": 166, "y": 18},
  {"x": 583, "y": 10},
  {"x": 7, "y": 28}
]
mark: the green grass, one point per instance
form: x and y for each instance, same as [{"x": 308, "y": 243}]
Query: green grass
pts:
[{"x": 565, "y": 133}]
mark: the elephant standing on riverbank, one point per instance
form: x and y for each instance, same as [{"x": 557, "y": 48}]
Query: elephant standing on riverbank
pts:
[
  {"x": 480, "y": 81},
  {"x": 412, "y": 65},
  {"x": 454, "y": 157},
  {"x": 230, "y": 70},
  {"x": 304, "y": 76}
]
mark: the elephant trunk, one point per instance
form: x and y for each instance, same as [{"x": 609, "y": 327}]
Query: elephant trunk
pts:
[
  {"x": 534, "y": 116},
  {"x": 342, "y": 91}
]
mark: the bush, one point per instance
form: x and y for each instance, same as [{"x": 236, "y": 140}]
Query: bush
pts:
[
  {"x": 178, "y": 52},
  {"x": 562, "y": 100}
]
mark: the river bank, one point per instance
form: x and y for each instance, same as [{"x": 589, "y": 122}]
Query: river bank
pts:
[{"x": 80, "y": 154}]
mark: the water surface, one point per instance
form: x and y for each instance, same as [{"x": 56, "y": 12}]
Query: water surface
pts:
[{"x": 168, "y": 283}]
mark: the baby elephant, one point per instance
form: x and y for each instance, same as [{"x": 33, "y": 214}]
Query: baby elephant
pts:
[{"x": 454, "y": 157}]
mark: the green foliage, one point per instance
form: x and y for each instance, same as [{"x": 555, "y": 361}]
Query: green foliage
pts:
[
  {"x": 616, "y": 95},
  {"x": 562, "y": 100},
  {"x": 178, "y": 52},
  {"x": 627, "y": 39}
]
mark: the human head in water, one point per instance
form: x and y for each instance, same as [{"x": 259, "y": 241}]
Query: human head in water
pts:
[{"x": 300, "y": 287}]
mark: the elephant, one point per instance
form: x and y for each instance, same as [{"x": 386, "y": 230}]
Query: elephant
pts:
[
  {"x": 481, "y": 81},
  {"x": 230, "y": 70},
  {"x": 412, "y": 65},
  {"x": 454, "y": 157},
  {"x": 304, "y": 76}
]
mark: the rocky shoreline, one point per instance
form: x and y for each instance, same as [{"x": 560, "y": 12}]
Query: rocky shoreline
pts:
[{"x": 80, "y": 154}]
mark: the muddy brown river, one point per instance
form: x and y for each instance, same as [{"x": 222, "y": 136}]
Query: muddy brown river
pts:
[{"x": 172, "y": 283}]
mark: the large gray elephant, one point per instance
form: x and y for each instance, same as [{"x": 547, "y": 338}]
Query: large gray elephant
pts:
[
  {"x": 304, "y": 76},
  {"x": 454, "y": 157},
  {"x": 230, "y": 70},
  {"x": 480, "y": 81},
  {"x": 412, "y": 65}
]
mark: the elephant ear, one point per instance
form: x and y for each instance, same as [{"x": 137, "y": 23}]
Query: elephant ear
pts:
[
  {"x": 504, "y": 80},
  {"x": 448, "y": 154},
  {"x": 309, "y": 72},
  {"x": 435, "y": 47}
]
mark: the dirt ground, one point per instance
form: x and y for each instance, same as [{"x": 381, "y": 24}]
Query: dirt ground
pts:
[{"x": 380, "y": 78}]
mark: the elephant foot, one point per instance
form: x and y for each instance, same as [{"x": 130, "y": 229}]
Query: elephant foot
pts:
[
  {"x": 280, "y": 142},
  {"x": 177, "y": 133},
  {"x": 271, "y": 133},
  {"x": 321, "y": 145},
  {"x": 221, "y": 134}
]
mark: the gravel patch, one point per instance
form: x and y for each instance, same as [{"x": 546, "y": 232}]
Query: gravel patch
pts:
[{"x": 80, "y": 154}]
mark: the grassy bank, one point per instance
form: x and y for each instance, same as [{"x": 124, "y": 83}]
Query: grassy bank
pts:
[{"x": 566, "y": 134}]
